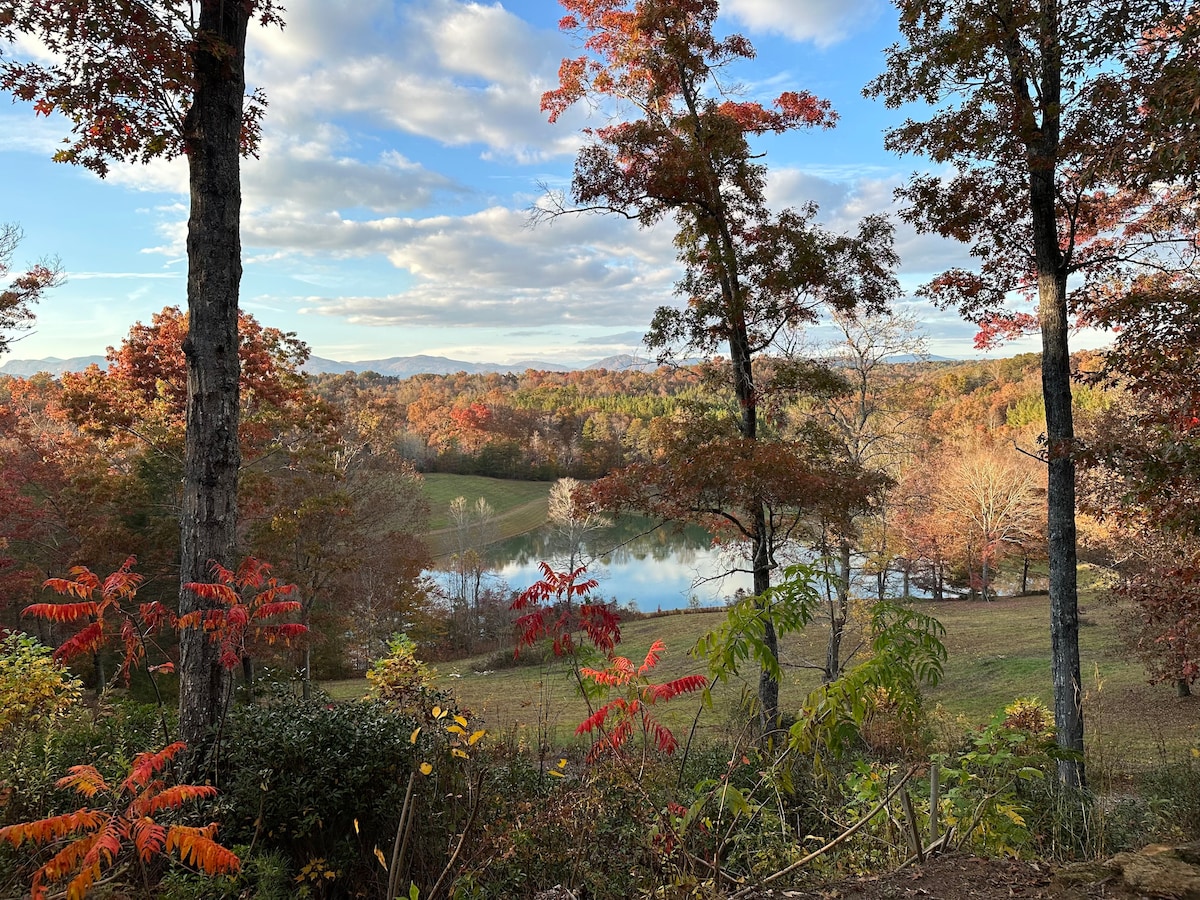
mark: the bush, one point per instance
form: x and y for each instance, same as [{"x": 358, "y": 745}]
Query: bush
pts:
[
  {"x": 1175, "y": 785},
  {"x": 320, "y": 783},
  {"x": 35, "y": 689},
  {"x": 264, "y": 876},
  {"x": 108, "y": 738}
]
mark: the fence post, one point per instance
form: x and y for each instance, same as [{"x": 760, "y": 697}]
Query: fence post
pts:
[{"x": 934, "y": 786}]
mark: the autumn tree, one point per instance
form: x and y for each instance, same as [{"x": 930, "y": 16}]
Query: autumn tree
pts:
[
  {"x": 572, "y": 520},
  {"x": 342, "y": 521},
  {"x": 875, "y": 431},
  {"x": 165, "y": 79},
  {"x": 1034, "y": 117},
  {"x": 993, "y": 502},
  {"x": 26, "y": 288},
  {"x": 751, "y": 275},
  {"x": 1142, "y": 456},
  {"x": 65, "y": 500}
]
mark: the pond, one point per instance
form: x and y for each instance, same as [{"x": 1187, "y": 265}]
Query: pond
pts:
[
  {"x": 661, "y": 567},
  {"x": 654, "y": 568}
]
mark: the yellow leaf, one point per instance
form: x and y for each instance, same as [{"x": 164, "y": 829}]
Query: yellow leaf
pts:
[
  {"x": 356, "y": 826},
  {"x": 557, "y": 774},
  {"x": 379, "y": 856},
  {"x": 412, "y": 738},
  {"x": 562, "y": 763},
  {"x": 457, "y": 729},
  {"x": 461, "y": 721},
  {"x": 459, "y": 753},
  {"x": 474, "y": 738},
  {"x": 426, "y": 768},
  {"x": 439, "y": 713}
]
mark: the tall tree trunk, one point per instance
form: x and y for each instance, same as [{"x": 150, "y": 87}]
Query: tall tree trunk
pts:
[
  {"x": 768, "y": 686},
  {"x": 1039, "y": 121},
  {"x": 841, "y": 614},
  {"x": 1060, "y": 444},
  {"x": 212, "y": 133}
]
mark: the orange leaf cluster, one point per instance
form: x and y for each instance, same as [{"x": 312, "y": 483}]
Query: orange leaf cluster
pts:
[
  {"x": 95, "y": 837},
  {"x": 248, "y": 599},
  {"x": 105, "y": 605},
  {"x": 635, "y": 707}
]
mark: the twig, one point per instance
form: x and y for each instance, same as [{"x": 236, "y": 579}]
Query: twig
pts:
[
  {"x": 394, "y": 869},
  {"x": 433, "y": 892},
  {"x": 845, "y": 835}
]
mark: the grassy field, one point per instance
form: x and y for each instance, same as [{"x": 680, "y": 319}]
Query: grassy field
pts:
[
  {"x": 520, "y": 505},
  {"x": 997, "y": 651}
]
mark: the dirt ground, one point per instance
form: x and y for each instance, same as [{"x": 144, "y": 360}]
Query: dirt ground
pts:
[{"x": 960, "y": 877}]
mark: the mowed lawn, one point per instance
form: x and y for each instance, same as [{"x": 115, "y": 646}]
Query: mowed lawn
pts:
[
  {"x": 997, "y": 651},
  {"x": 520, "y": 506}
]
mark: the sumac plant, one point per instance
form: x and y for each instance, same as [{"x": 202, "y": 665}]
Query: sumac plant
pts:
[
  {"x": 617, "y": 720},
  {"x": 558, "y": 607},
  {"x": 93, "y": 839},
  {"x": 108, "y": 612},
  {"x": 246, "y": 602}
]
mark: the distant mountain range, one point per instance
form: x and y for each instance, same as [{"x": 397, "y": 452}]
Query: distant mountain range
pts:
[
  {"x": 399, "y": 366},
  {"x": 23, "y": 368}
]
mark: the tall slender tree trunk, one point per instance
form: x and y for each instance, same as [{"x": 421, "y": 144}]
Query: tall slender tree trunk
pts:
[
  {"x": 1060, "y": 445},
  {"x": 841, "y": 614},
  {"x": 1064, "y": 596},
  {"x": 1039, "y": 119},
  {"x": 212, "y": 133}
]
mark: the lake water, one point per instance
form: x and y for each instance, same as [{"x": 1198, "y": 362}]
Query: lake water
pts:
[
  {"x": 652, "y": 568},
  {"x": 655, "y": 568}
]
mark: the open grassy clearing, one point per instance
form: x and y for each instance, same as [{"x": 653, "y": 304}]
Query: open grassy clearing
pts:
[
  {"x": 520, "y": 505},
  {"x": 997, "y": 651}
]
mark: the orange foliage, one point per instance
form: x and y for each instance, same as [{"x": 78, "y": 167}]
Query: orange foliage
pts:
[
  {"x": 249, "y": 597},
  {"x": 107, "y": 608},
  {"x": 92, "y": 839},
  {"x": 634, "y": 709}
]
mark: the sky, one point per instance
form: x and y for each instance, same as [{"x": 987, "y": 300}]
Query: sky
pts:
[{"x": 388, "y": 211}]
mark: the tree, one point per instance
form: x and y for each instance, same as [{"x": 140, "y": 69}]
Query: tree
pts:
[
  {"x": 140, "y": 81},
  {"x": 572, "y": 520},
  {"x": 751, "y": 276},
  {"x": 874, "y": 432},
  {"x": 993, "y": 503},
  {"x": 1148, "y": 444},
  {"x": 1034, "y": 116},
  {"x": 341, "y": 520},
  {"x": 26, "y": 288},
  {"x": 1141, "y": 464}
]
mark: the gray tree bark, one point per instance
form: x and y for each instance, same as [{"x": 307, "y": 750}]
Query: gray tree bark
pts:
[{"x": 212, "y": 133}]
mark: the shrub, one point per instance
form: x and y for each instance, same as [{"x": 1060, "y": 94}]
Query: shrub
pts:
[
  {"x": 35, "y": 689},
  {"x": 402, "y": 680},
  {"x": 121, "y": 825},
  {"x": 318, "y": 782}
]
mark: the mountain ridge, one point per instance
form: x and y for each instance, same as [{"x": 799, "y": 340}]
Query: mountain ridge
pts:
[{"x": 398, "y": 366}]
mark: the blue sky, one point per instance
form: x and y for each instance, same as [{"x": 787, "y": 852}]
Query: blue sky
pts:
[{"x": 403, "y": 146}]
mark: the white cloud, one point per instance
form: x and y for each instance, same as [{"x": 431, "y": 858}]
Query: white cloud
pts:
[
  {"x": 457, "y": 73},
  {"x": 824, "y": 22},
  {"x": 26, "y": 133},
  {"x": 490, "y": 268}
]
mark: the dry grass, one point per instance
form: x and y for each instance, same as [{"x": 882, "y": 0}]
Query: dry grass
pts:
[{"x": 997, "y": 651}]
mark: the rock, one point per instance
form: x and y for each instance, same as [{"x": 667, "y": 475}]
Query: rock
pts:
[{"x": 1161, "y": 871}]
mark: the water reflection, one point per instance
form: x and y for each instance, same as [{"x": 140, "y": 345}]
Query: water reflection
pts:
[{"x": 635, "y": 561}]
